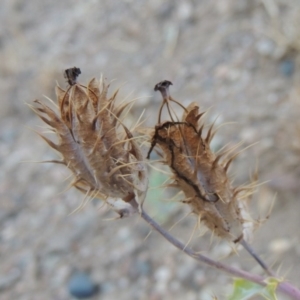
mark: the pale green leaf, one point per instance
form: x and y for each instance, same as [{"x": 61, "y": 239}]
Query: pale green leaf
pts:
[{"x": 244, "y": 290}]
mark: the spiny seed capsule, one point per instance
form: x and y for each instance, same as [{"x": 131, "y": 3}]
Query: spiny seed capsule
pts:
[
  {"x": 95, "y": 145},
  {"x": 199, "y": 173}
]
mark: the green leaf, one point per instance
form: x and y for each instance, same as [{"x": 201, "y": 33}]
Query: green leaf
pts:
[
  {"x": 244, "y": 290},
  {"x": 269, "y": 291}
]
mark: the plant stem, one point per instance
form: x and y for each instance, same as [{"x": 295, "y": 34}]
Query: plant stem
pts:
[
  {"x": 251, "y": 251},
  {"x": 284, "y": 287}
]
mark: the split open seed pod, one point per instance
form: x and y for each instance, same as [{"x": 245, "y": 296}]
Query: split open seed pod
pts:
[
  {"x": 95, "y": 145},
  {"x": 199, "y": 173}
]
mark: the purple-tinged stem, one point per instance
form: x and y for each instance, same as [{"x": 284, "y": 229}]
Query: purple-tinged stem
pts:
[{"x": 284, "y": 287}]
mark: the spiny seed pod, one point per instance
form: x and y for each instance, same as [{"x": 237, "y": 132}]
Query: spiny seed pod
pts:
[
  {"x": 199, "y": 173},
  {"x": 106, "y": 161}
]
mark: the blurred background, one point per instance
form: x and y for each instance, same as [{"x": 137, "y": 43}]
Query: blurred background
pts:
[{"x": 240, "y": 58}]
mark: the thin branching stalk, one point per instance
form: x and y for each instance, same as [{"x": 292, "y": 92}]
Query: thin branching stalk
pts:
[
  {"x": 284, "y": 287},
  {"x": 251, "y": 251}
]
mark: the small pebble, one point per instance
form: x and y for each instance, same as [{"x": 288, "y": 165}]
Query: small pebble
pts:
[
  {"x": 163, "y": 274},
  {"x": 185, "y": 10},
  {"x": 143, "y": 267},
  {"x": 265, "y": 47},
  {"x": 280, "y": 246},
  {"x": 81, "y": 286},
  {"x": 287, "y": 67}
]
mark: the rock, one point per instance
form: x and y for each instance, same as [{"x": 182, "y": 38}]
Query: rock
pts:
[
  {"x": 81, "y": 286},
  {"x": 265, "y": 47},
  {"x": 287, "y": 67},
  {"x": 163, "y": 274},
  {"x": 143, "y": 268},
  {"x": 280, "y": 246},
  {"x": 185, "y": 11}
]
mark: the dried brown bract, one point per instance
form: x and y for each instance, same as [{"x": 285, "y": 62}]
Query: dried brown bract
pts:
[
  {"x": 200, "y": 174},
  {"x": 95, "y": 145}
]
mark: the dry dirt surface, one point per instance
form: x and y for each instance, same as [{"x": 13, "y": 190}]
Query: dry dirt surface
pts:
[{"x": 239, "y": 58}]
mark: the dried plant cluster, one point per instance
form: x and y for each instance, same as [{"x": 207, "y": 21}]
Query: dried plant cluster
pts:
[{"x": 107, "y": 162}]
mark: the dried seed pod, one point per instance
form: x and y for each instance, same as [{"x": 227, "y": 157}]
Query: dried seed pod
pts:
[
  {"x": 94, "y": 144},
  {"x": 201, "y": 175}
]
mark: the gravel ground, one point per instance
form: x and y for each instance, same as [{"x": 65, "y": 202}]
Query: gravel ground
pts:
[{"x": 239, "y": 58}]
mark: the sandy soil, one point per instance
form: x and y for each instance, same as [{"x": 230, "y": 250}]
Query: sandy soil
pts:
[{"x": 241, "y": 58}]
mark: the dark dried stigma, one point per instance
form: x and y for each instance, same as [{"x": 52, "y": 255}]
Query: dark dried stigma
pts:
[{"x": 72, "y": 74}]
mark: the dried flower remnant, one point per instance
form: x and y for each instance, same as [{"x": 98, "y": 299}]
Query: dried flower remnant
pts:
[
  {"x": 163, "y": 87},
  {"x": 200, "y": 174},
  {"x": 95, "y": 145},
  {"x": 72, "y": 74}
]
